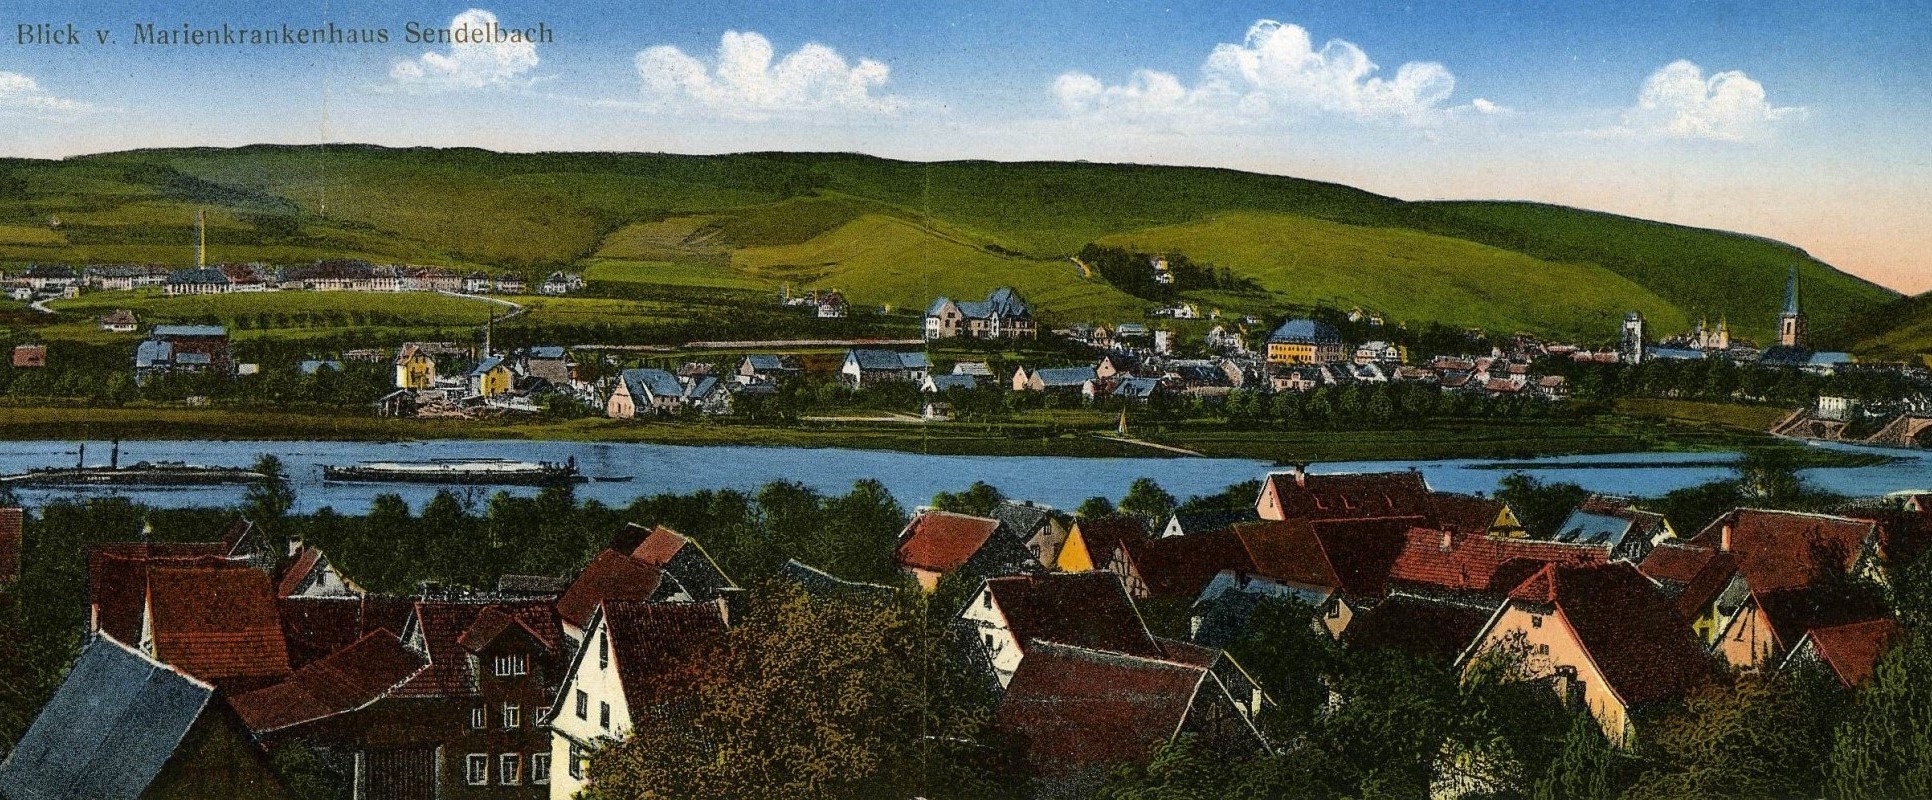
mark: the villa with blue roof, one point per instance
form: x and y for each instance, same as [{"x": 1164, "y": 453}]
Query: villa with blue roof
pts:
[
  {"x": 1304, "y": 341},
  {"x": 871, "y": 367},
  {"x": 656, "y": 391},
  {"x": 1003, "y": 315}
]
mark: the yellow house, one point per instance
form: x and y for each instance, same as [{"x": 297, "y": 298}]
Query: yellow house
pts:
[
  {"x": 1092, "y": 542},
  {"x": 490, "y": 378},
  {"x": 415, "y": 370},
  {"x": 1304, "y": 341}
]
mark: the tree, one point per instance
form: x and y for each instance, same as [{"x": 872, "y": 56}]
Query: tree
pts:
[
  {"x": 1765, "y": 736},
  {"x": 1145, "y": 498},
  {"x": 1094, "y": 508},
  {"x": 1541, "y": 507},
  {"x": 1884, "y": 746},
  {"x": 810, "y": 698},
  {"x": 1586, "y": 769},
  {"x": 270, "y": 496},
  {"x": 1288, "y": 659},
  {"x": 978, "y": 500}
]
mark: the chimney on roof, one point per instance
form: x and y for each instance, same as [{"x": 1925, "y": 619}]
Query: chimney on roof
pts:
[
  {"x": 1301, "y": 474},
  {"x": 1724, "y": 538},
  {"x": 1448, "y": 541}
]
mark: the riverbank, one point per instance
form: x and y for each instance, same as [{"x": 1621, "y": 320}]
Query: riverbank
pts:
[{"x": 1063, "y": 435}]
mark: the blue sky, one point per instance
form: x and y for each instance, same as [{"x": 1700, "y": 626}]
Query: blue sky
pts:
[{"x": 1801, "y": 121}]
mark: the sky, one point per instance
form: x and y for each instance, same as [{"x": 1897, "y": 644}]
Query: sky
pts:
[{"x": 1804, "y": 122}]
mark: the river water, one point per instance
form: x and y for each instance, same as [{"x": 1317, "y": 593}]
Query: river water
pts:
[{"x": 911, "y": 477}]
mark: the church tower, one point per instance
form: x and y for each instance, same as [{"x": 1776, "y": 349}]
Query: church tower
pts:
[
  {"x": 1791, "y": 323},
  {"x": 1630, "y": 345}
]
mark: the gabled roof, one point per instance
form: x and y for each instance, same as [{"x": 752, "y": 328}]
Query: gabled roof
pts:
[
  {"x": 1065, "y": 376},
  {"x": 1692, "y": 576},
  {"x": 1462, "y": 513},
  {"x": 216, "y": 621},
  {"x": 1085, "y": 609},
  {"x": 1782, "y": 549},
  {"x": 1644, "y": 650},
  {"x": 11, "y": 525},
  {"x": 345, "y": 681},
  {"x": 491, "y": 624},
  {"x": 1366, "y": 494},
  {"x": 1352, "y": 557},
  {"x": 643, "y": 383},
  {"x": 1852, "y": 651},
  {"x": 109, "y": 729},
  {"x": 941, "y": 541},
  {"x": 1022, "y": 518},
  {"x": 187, "y": 331},
  {"x": 306, "y": 561},
  {"x": 1137, "y": 387},
  {"x": 886, "y": 360},
  {"x": 941, "y": 383},
  {"x": 1103, "y": 535},
  {"x": 486, "y": 365},
  {"x": 1075, "y": 708},
  {"x": 314, "y": 627},
  {"x": 1438, "y": 629},
  {"x": 1209, "y": 521},
  {"x": 117, "y": 580},
  {"x": 1478, "y": 563},
  {"x": 819, "y": 583},
  {"x": 650, "y": 641},
  {"x": 610, "y": 575},
  {"x": 439, "y": 625}
]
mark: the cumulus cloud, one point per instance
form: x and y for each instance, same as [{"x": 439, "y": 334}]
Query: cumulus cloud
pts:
[
  {"x": 473, "y": 63},
  {"x": 1679, "y": 102},
  {"x": 1483, "y": 106},
  {"x": 1276, "y": 71},
  {"x": 22, "y": 93},
  {"x": 745, "y": 84}
]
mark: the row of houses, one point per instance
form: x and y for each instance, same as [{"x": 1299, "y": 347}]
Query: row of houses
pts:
[
  {"x": 327, "y": 275},
  {"x": 507, "y": 693}
]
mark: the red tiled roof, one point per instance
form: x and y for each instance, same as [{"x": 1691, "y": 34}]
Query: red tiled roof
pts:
[
  {"x": 441, "y": 625},
  {"x": 1462, "y": 513},
  {"x": 1852, "y": 651},
  {"x": 941, "y": 541},
  {"x": 1368, "y": 494},
  {"x": 1179, "y": 566},
  {"x": 10, "y": 538},
  {"x": 349, "y": 679},
  {"x": 1482, "y": 563},
  {"x": 1792, "y": 612},
  {"x": 216, "y": 622},
  {"x": 1695, "y": 574},
  {"x": 305, "y": 562},
  {"x": 1352, "y": 556},
  {"x": 658, "y": 548},
  {"x": 117, "y": 579},
  {"x": 609, "y": 576},
  {"x": 490, "y": 624},
  {"x": 1074, "y": 708},
  {"x": 654, "y": 644},
  {"x": 1103, "y": 535},
  {"x": 1644, "y": 650},
  {"x": 1084, "y": 609},
  {"x": 1781, "y": 549},
  {"x": 317, "y": 626}
]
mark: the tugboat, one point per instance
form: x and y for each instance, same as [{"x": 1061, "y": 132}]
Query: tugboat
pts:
[
  {"x": 463, "y": 471},
  {"x": 140, "y": 473}
]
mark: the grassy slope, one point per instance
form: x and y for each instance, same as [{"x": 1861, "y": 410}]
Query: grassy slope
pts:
[
  {"x": 1702, "y": 272},
  {"x": 755, "y": 220},
  {"x": 1407, "y": 274}
]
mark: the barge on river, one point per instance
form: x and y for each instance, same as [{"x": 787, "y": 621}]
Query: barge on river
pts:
[
  {"x": 462, "y": 471},
  {"x": 140, "y": 473}
]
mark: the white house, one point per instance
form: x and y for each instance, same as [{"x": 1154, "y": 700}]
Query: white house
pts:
[{"x": 609, "y": 681}]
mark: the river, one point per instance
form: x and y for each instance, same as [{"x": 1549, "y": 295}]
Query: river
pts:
[{"x": 911, "y": 477}]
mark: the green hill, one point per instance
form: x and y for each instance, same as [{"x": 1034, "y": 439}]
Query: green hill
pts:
[{"x": 899, "y": 232}]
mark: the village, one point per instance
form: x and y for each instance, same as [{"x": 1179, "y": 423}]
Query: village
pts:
[{"x": 204, "y": 659}]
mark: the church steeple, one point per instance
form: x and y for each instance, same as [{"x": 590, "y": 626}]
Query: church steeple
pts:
[{"x": 1791, "y": 323}]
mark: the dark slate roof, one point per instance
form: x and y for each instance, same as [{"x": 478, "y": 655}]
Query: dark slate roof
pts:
[
  {"x": 1021, "y": 519},
  {"x": 819, "y": 583},
  {"x": 1432, "y": 628},
  {"x": 655, "y": 382},
  {"x": 196, "y": 276},
  {"x": 888, "y": 360},
  {"x": 108, "y": 731},
  {"x": 1589, "y": 527},
  {"x": 941, "y": 383},
  {"x": 1085, "y": 609},
  {"x": 190, "y": 331},
  {"x": 1137, "y": 387},
  {"x": 1065, "y": 376},
  {"x": 1305, "y": 331}
]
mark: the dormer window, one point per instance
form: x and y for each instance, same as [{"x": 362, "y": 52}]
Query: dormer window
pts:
[{"x": 512, "y": 664}]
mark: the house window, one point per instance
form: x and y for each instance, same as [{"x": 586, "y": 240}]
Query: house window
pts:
[
  {"x": 476, "y": 769},
  {"x": 989, "y": 641},
  {"x": 508, "y": 772},
  {"x": 512, "y": 717},
  {"x": 986, "y": 598},
  {"x": 513, "y": 664},
  {"x": 1536, "y": 621},
  {"x": 479, "y": 718},
  {"x": 539, "y": 768},
  {"x": 576, "y": 761},
  {"x": 1542, "y": 649},
  {"x": 603, "y": 651},
  {"x": 583, "y": 705},
  {"x": 603, "y": 715}
]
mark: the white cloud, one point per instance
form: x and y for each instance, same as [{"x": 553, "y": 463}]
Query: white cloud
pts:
[
  {"x": 469, "y": 64},
  {"x": 744, "y": 84},
  {"x": 1483, "y": 106},
  {"x": 1275, "y": 72},
  {"x": 1678, "y": 101},
  {"x": 23, "y": 93}
]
